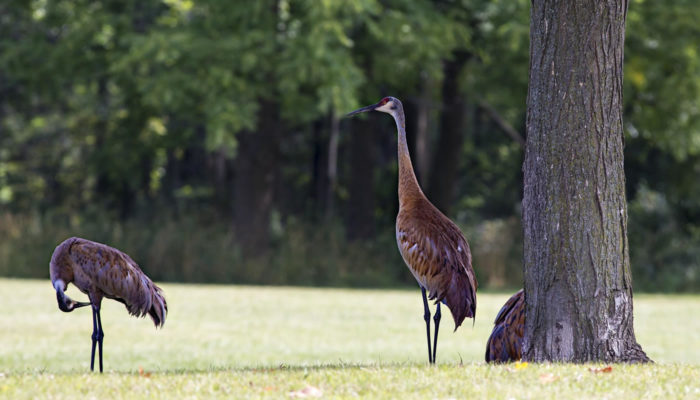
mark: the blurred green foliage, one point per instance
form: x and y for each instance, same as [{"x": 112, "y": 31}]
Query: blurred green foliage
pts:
[{"x": 131, "y": 122}]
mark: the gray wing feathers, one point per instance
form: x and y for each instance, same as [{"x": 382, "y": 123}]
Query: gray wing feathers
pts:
[
  {"x": 115, "y": 275},
  {"x": 144, "y": 297}
]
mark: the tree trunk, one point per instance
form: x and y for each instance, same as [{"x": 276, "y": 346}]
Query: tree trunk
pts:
[
  {"x": 333, "y": 140},
  {"x": 219, "y": 169},
  {"x": 577, "y": 270},
  {"x": 443, "y": 172},
  {"x": 422, "y": 141},
  {"x": 256, "y": 166},
  {"x": 360, "y": 205},
  {"x": 417, "y": 123},
  {"x": 319, "y": 167}
]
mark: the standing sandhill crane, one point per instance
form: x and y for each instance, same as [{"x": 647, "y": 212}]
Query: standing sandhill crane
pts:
[
  {"x": 102, "y": 271},
  {"x": 505, "y": 342},
  {"x": 431, "y": 245}
]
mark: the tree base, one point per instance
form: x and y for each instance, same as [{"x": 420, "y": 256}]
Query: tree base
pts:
[{"x": 634, "y": 354}]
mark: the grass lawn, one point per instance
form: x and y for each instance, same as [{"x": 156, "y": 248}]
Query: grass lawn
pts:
[{"x": 253, "y": 342}]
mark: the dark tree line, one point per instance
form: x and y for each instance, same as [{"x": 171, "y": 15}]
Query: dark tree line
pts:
[{"x": 212, "y": 135}]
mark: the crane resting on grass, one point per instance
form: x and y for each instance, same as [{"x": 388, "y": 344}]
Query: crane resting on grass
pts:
[
  {"x": 431, "y": 245},
  {"x": 102, "y": 271},
  {"x": 506, "y": 340}
]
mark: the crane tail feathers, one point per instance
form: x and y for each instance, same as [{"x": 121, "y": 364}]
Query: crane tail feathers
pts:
[
  {"x": 461, "y": 299},
  {"x": 151, "y": 302},
  {"x": 159, "y": 307}
]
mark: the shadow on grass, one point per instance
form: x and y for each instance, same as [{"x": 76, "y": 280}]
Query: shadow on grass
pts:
[{"x": 255, "y": 369}]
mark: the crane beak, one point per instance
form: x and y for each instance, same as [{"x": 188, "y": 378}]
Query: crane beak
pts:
[
  {"x": 363, "y": 109},
  {"x": 78, "y": 304},
  {"x": 66, "y": 304}
]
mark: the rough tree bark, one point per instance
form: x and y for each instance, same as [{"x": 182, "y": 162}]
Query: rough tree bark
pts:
[{"x": 577, "y": 269}]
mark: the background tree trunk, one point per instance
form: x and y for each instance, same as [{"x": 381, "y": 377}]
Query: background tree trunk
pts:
[
  {"x": 577, "y": 270},
  {"x": 361, "y": 201},
  {"x": 332, "y": 177},
  {"x": 319, "y": 168},
  {"x": 418, "y": 124},
  {"x": 256, "y": 169},
  {"x": 443, "y": 172}
]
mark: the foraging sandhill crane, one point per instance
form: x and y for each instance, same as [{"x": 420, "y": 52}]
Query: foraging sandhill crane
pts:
[
  {"x": 505, "y": 342},
  {"x": 431, "y": 245},
  {"x": 102, "y": 271}
]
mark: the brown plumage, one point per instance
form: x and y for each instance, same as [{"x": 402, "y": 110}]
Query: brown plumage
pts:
[
  {"x": 505, "y": 342},
  {"x": 431, "y": 245},
  {"x": 437, "y": 254},
  {"x": 102, "y": 271}
]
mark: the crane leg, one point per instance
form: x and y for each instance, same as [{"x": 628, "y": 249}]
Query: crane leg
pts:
[
  {"x": 426, "y": 317},
  {"x": 94, "y": 339},
  {"x": 97, "y": 336},
  {"x": 436, "y": 318},
  {"x": 101, "y": 335}
]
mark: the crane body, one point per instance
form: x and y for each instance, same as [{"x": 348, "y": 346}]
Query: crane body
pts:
[
  {"x": 505, "y": 342},
  {"x": 431, "y": 245},
  {"x": 101, "y": 271}
]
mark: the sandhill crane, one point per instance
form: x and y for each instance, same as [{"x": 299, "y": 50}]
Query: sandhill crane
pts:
[
  {"x": 431, "y": 245},
  {"x": 102, "y": 271},
  {"x": 506, "y": 340}
]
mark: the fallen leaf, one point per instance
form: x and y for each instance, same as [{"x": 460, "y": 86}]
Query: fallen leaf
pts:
[
  {"x": 603, "y": 369},
  {"x": 521, "y": 365},
  {"x": 548, "y": 378},
  {"x": 309, "y": 391}
]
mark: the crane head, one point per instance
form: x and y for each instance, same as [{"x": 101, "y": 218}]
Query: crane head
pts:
[
  {"x": 65, "y": 303},
  {"x": 388, "y": 105}
]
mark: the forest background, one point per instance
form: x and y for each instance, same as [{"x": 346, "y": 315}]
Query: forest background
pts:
[{"x": 207, "y": 139}]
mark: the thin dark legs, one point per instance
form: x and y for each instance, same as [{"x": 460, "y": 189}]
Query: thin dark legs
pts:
[
  {"x": 94, "y": 339},
  {"x": 102, "y": 335},
  {"x": 97, "y": 336},
  {"x": 426, "y": 317},
  {"x": 436, "y": 318}
]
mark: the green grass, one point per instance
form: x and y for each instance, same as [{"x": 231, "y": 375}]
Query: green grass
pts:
[{"x": 252, "y": 342}]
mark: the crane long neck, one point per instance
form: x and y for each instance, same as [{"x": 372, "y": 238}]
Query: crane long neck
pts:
[{"x": 408, "y": 184}]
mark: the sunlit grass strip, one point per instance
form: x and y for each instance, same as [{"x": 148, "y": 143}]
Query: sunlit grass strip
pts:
[
  {"x": 252, "y": 342},
  {"x": 393, "y": 381}
]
